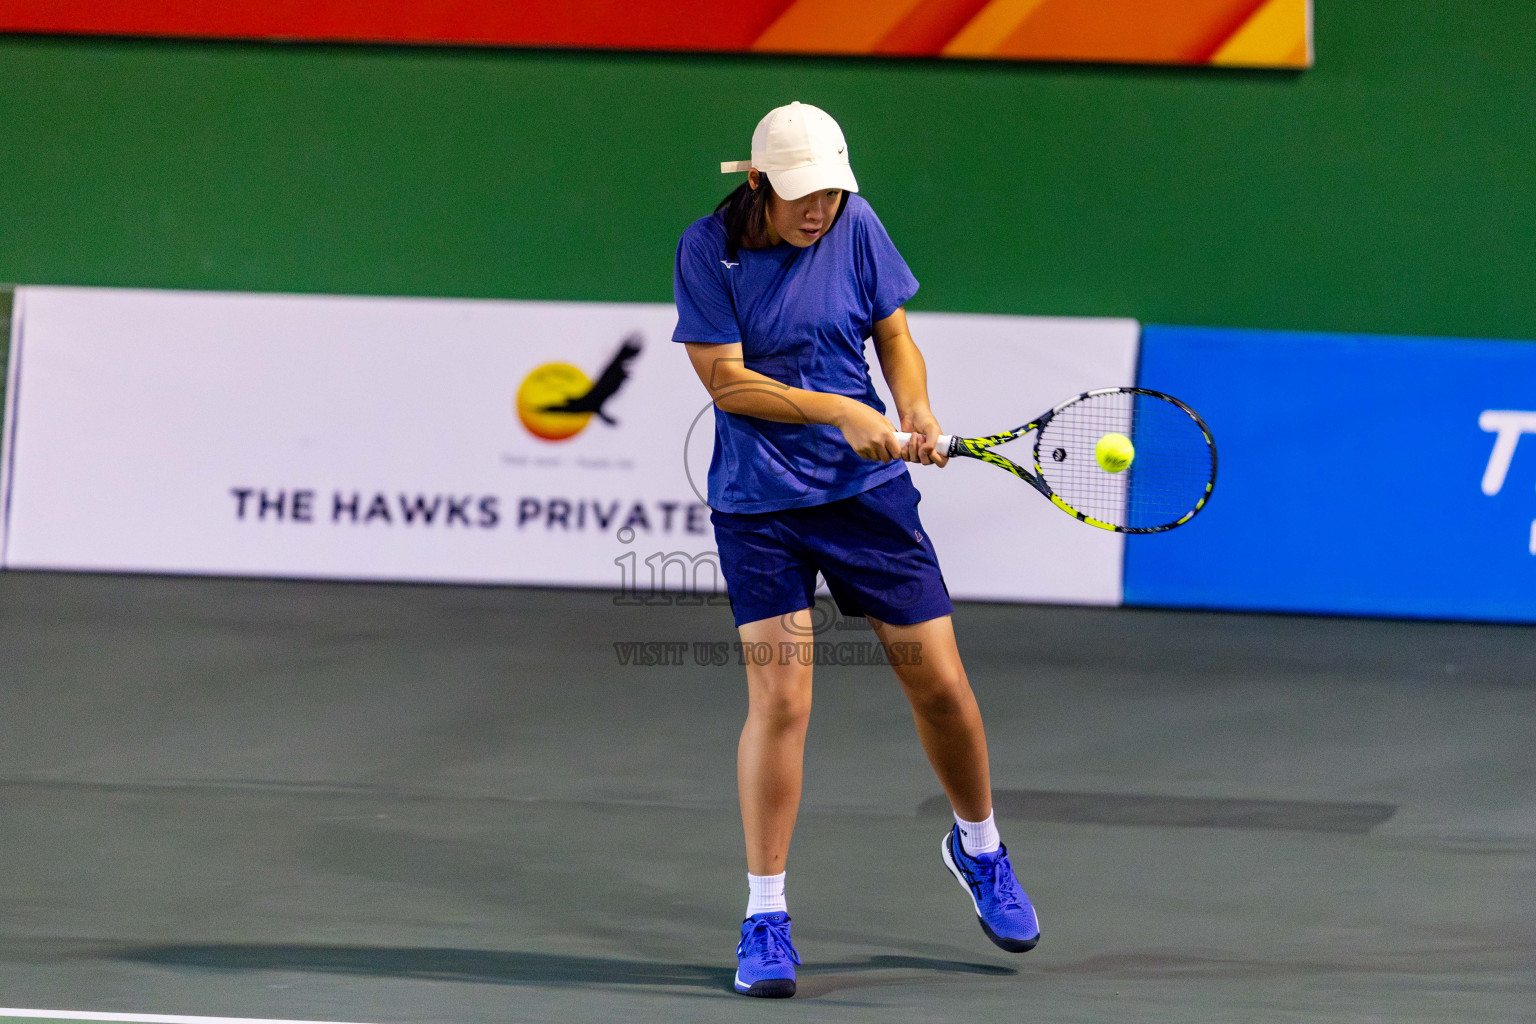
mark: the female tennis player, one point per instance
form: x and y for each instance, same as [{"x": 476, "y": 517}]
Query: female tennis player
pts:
[{"x": 777, "y": 292}]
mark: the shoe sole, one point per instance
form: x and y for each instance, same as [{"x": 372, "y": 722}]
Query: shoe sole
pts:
[
  {"x": 768, "y": 988},
  {"x": 1011, "y": 945}
]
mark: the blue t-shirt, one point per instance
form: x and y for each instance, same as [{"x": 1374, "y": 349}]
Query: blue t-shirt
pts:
[{"x": 802, "y": 317}]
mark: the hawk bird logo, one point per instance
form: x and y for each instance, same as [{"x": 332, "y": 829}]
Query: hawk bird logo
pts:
[{"x": 605, "y": 387}]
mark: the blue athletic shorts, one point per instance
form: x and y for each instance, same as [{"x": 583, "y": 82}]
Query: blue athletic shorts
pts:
[{"x": 871, "y": 547}]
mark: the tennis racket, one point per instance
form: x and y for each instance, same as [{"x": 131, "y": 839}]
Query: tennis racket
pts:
[{"x": 1169, "y": 480}]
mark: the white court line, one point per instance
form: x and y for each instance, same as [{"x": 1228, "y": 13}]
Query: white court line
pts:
[{"x": 148, "y": 1018}]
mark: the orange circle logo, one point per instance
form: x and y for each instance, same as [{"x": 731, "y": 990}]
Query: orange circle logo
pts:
[{"x": 545, "y": 389}]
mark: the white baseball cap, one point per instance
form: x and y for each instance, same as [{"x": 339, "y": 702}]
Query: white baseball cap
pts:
[{"x": 801, "y": 149}]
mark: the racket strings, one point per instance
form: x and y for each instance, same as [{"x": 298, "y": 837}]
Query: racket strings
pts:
[{"x": 1169, "y": 477}]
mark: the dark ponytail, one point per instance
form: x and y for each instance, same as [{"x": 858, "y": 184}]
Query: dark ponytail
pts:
[{"x": 746, "y": 211}]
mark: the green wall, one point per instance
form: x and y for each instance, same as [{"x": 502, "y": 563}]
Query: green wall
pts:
[{"x": 1390, "y": 189}]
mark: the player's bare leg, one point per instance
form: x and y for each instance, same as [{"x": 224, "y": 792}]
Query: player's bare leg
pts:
[
  {"x": 927, "y": 661},
  {"x": 770, "y": 756}
]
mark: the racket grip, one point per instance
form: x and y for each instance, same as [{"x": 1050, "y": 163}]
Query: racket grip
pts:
[{"x": 941, "y": 445}]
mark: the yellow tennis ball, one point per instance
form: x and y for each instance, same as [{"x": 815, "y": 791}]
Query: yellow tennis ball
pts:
[{"x": 1114, "y": 452}]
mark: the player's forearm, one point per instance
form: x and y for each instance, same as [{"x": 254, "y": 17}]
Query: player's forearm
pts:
[
  {"x": 748, "y": 393},
  {"x": 905, "y": 372}
]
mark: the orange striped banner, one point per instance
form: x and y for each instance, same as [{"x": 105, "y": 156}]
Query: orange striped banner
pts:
[{"x": 1250, "y": 33}]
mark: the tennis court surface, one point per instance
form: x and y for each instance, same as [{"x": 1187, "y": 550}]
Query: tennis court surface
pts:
[{"x": 403, "y": 804}]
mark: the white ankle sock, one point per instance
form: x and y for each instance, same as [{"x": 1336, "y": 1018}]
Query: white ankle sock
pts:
[
  {"x": 765, "y": 894},
  {"x": 978, "y": 836}
]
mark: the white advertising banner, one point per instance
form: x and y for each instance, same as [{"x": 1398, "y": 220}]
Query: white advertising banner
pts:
[{"x": 443, "y": 440}]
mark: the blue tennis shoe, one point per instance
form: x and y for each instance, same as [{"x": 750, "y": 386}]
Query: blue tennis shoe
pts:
[
  {"x": 765, "y": 957},
  {"x": 1001, "y": 906}
]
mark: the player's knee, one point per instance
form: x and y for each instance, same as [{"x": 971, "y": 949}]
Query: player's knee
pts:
[
  {"x": 937, "y": 705},
  {"x": 782, "y": 706},
  {"x": 941, "y": 695},
  {"x": 786, "y": 713}
]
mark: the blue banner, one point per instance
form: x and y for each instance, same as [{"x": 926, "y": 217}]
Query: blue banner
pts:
[{"x": 1363, "y": 475}]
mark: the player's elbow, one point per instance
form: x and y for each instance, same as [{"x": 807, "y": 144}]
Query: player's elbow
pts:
[{"x": 733, "y": 394}]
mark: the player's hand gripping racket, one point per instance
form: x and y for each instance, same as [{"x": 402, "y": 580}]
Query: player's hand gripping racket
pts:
[{"x": 1166, "y": 473}]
